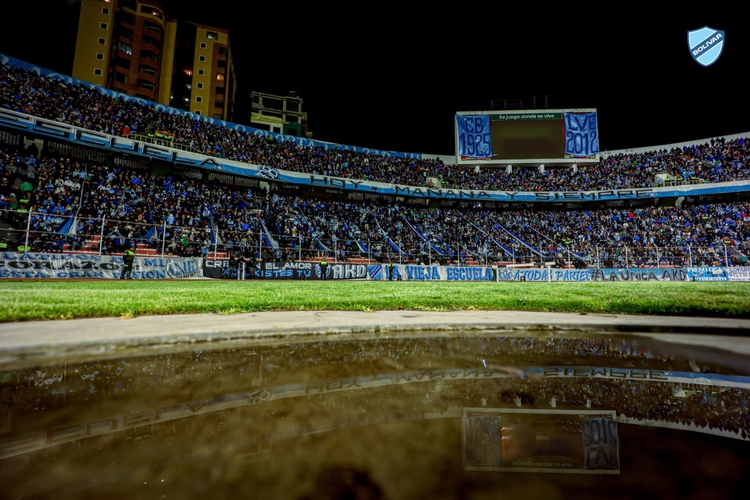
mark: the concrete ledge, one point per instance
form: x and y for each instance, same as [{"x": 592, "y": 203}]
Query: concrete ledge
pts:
[{"x": 37, "y": 342}]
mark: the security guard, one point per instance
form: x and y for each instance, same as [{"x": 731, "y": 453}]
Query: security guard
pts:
[
  {"x": 128, "y": 258},
  {"x": 323, "y": 268},
  {"x": 390, "y": 270}
]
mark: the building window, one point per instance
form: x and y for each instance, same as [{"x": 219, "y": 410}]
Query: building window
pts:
[
  {"x": 199, "y": 85},
  {"x": 105, "y": 11},
  {"x": 197, "y": 111},
  {"x": 151, "y": 10},
  {"x": 104, "y": 26},
  {"x": 149, "y": 39},
  {"x": 121, "y": 78},
  {"x": 218, "y": 116},
  {"x": 147, "y": 54},
  {"x": 204, "y": 45},
  {"x": 201, "y": 72},
  {"x": 146, "y": 69},
  {"x": 202, "y": 58},
  {"x": 220, "y": 77},
  {"x": 222, "y": 63},
  {"x": 123, "y": 62},
  {"x": 125, "y": 47},
  {"x": 146, "y": 85},
  {"x": 220, "y": 90},
  {"x": 212, "y": 35},
  {"x": 128, "y": 18},
  {"x": 102, "y": 41},
  {"x": 198, "y": 98},
  {"x": 218, "y": 103},
  {"x": 152, "y": 27},
  {"x": 222, "y": 51},
  {"x": 127, "y": 33},
  {"x": 99, "y": 56},
  {"x": 98, "y": 72}
]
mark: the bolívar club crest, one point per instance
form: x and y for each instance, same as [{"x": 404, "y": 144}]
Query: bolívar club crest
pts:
[{"x": 706, "y": 45}]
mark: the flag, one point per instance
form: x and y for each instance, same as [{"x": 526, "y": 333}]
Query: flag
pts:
[
  {"x": 69, "y": 228},
  {"x": 73, "y": 228},
  {"x": 436, "y": 249},
  {"x": 151, "y": 234},
  {"x": 215, "y": 238},
  {"x": 389, "y": 240},
  {"x": 321, "y": 246},
  {"x": 268, "y": 238},
  {"x": 362, "y": 248}
]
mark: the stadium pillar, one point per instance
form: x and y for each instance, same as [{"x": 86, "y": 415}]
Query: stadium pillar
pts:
[
  {"x": 568, "y": 264},
  {"x": 164, "y": 239},
  {"x": 627, "y": 261},
  {"x": 28, "y": 227},
  {"x": 299, "y": 247},
  {"x": 690, "y": 257},
  {"x": 598, "y": 264},
  {"x": 101, "y": 235},
  {"x": 726, "y": 259}
]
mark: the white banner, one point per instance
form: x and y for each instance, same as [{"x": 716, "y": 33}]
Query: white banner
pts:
[
  {"x": 64, "y": 266},
  {"x": 739, "y": 273}
]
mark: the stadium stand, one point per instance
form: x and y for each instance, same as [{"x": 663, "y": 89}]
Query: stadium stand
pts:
[{"x": 66, "y": 199}]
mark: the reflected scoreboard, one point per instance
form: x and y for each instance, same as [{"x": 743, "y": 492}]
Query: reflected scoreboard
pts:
[
  {"x": 533, "y": 440},
  {"x": 562, "y": 136}
]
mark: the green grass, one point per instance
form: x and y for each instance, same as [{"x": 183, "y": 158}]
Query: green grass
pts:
[{"x": 46, "y": 300}]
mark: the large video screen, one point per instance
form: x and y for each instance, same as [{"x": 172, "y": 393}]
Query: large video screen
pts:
[{"x": 517, "y": 137}]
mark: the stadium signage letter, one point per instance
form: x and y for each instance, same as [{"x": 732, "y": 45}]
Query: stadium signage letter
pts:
[
  {"x": 557, "y": 371},
  {"x": 596, "y": 195}
]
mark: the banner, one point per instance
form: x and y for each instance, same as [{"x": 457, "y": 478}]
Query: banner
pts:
[
  {"x": 671, "y": 274},
  {"x": 738, "y": 273},
  {"x": 221, "y": 269},
  {"x": 601, "y": 445},
  {"x": 581, "y": 139},
  {"x": 415, "y": 272},
  {"x": 708, "y": 273},
  {"x": 474, "y": 139},
  {"x": 88, "y": 138},
  {"x": 39, "y": 265}
]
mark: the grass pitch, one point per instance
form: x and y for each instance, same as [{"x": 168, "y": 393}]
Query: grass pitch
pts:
[{"x": 48, "y": 300}]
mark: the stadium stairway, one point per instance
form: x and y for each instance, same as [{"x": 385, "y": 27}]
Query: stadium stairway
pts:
[{"x": 92, "y": 248}]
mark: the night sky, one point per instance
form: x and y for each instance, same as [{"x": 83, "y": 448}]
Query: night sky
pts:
[{"x": 392, "y": 79}]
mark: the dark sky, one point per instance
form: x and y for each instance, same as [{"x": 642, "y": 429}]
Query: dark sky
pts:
[{"x": 391, "y": 78}]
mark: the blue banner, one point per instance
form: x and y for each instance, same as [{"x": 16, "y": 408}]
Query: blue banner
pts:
[
  {"x": 87, "y": 138},
  {"x": 474, "y": 140},
  {"x": 581, "y": 138},
  {"x": 708, "y": 273}
]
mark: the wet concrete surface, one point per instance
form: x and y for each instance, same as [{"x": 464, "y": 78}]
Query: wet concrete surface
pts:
[{"x": 392, "y": 404}]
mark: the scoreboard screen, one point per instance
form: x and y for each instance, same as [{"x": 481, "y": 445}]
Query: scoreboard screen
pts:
[{"x": 537, "y": 137}]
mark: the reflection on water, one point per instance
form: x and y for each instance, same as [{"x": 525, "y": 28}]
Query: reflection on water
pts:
[{"x": 388, "y": 417}]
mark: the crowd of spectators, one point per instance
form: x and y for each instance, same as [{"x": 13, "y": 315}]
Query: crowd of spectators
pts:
[
  {"x": 98, "y": 389},
  {"x": 28, "y": 92},
  {"x": 114, "y": 206},
  {"x": 183, "y": 216}
]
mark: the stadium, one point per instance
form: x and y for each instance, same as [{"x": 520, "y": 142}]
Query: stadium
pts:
[{"x": 309, "y": 319}]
